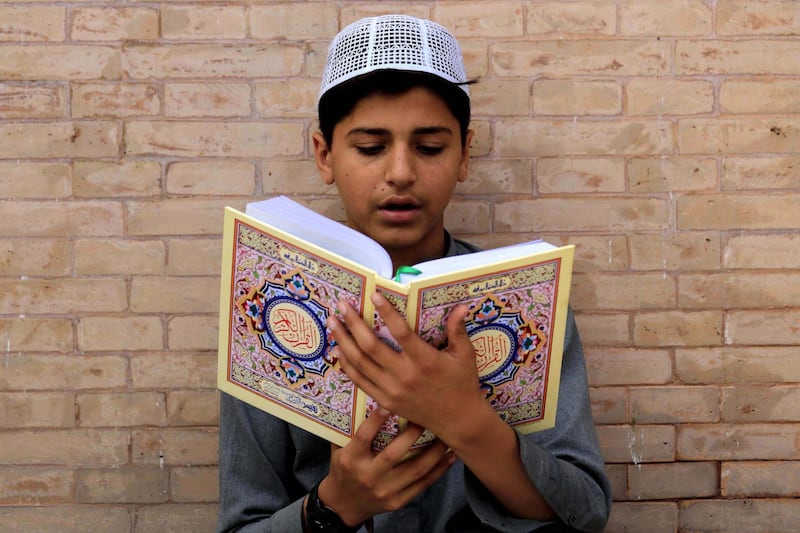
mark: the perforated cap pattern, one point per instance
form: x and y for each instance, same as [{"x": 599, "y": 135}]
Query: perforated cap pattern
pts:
[{"x": 393, "y": 42}]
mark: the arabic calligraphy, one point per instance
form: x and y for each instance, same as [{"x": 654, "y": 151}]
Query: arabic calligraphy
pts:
[
  {"x": 299, "y": 260},
  {"x": 488, "y": 285},
  {"x": 492, "y": 349},
  {"x": 294, "y": 328}
]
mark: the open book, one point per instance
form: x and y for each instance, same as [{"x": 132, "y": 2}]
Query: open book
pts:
[{"x": 284, "y": 268}]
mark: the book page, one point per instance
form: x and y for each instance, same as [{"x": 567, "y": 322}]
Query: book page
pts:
[
  {"x": 484, "y": 257},
  {"x": 304, "y": 223}
]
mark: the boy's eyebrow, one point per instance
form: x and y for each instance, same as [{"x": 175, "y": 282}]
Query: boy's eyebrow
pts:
[{"x": 425, "y": 130}]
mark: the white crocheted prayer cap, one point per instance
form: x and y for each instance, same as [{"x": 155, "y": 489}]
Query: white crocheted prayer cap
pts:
[{"x": 393, "y": 42}]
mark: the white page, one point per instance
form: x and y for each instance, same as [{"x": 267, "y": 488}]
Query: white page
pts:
[
  {"x": 296, "y": 219},
  {"x": 449, "y": 264}
]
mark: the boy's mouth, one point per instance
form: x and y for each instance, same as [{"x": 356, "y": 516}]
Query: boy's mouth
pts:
[{"x": 399, "y": 209}]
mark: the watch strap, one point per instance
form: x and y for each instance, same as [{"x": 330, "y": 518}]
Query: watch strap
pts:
[{"x": 331, "y": 522}]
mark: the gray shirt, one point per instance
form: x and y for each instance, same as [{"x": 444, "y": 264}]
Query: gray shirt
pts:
[{"x": 267, "y": 466}]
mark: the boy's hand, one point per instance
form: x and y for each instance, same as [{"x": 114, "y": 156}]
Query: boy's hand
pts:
[
  {"x": 361, "y": 483},
  {"x": 434, "y": 389}
]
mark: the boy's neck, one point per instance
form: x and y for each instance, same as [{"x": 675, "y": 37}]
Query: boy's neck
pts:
[{"x": 411, "y": 256}]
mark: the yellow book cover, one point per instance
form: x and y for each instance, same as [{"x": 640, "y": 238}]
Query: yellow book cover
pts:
[{"x": 284, "y": 268}]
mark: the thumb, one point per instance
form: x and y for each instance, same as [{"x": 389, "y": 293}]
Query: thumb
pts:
[{"x": 457, "y": 337}]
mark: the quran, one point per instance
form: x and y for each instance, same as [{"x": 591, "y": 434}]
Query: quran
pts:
[{"x": 285, "y": 267}]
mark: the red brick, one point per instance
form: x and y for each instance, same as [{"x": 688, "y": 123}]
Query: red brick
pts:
[
  {"x": 123, "y": 485},
  {"x": 743, "y": 56},
  {"x": 46, "y": 372},
  {"x": 673, "y": 480},
  {"x": 185, "y": 447},
  {"x": 738, "y": 441},
  {"x": 737, "y": 365},
  {"x": 629, "y": 517},
  {"x": 760, "y": 479},
  {"x": 628, "y": 367},
  {"x": 211, "y": 60},
  {"x": 195, "y": 484},
  {"x": 761, "y": 403},
  {"x": 637, "y": 444},
  {"x": 32, "y": 410},
  {"x": 75, "y": 447},
  {"x": 617, "y": 57},
  {"x": 65, "y": 519},
  {"x": 35, "y": 486},
  {"x": 674, "y": 404},
  {"x": 28, "y": 100},
  {"x": 742, "y": 516},
  {"x": 176, "y": 518},
  {"x": 740, "y": 17}
]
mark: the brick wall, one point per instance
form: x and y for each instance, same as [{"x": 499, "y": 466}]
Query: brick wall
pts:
[{"x": 661, "y": 137}]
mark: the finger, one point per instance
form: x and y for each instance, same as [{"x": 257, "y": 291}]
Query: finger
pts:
[
  {"x": 364, "y": 336},
  {"x": 394, "y": 321},
  {"x": 369, "y": 428},
  {"x": 358, "y": 366},
  {"x": 458, "y": 340},
  {"x": 420, "y": 471}
]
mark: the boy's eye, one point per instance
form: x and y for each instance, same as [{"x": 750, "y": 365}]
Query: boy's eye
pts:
[
  {"x": 429, "y": 149},
  {"x": 370, "y": 149}
]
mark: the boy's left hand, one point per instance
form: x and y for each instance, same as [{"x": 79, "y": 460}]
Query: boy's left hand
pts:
[{"x": 435, "y": 389}]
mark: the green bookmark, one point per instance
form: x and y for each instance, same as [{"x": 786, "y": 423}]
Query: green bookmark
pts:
[{"x": 411, "y": 271}]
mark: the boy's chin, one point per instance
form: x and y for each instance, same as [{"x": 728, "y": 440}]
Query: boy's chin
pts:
[{"x": 415, "y": 246}]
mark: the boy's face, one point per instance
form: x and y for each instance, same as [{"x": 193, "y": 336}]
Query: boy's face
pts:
[{"x": 395, "y": 160}]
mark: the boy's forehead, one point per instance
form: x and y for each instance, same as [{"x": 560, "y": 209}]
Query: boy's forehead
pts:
[{"x": 417, "y": 102}]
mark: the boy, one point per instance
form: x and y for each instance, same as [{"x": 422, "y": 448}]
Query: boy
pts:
[{"x": 394, "y": 139}]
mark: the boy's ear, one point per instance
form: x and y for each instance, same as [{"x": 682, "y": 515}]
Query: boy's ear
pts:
[
  {"x": 322, "y": 156},
  {"x": 464, "y": 165}
]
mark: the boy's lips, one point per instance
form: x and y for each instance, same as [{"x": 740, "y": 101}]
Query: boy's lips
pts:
[{"x": 399, "y": 210}]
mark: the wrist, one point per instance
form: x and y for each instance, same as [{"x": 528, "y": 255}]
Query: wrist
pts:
[
  {"x": 478, "y": 432},
  {"x": 320, "y": 518}
]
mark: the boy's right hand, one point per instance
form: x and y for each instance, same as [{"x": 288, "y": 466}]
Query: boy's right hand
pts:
[{"x": 362, "y": 483}]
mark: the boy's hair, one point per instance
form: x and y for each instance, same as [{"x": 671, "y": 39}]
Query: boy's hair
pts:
[
  {"x": 338, "y": 102},
  {"x": 392, "y": 54}
]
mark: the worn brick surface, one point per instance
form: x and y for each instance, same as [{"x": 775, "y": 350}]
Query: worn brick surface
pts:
[
  {"x": 35, "y": 486},
  {"x": 176, "y": 518},
  {"x": 743, "y": 516},
  {"x": 112, "y": 99},
  {"x": 760, "y": 478},
  {"x": 218, "y": 178},
  {"x": 669, "y": 405},
  {"x": 18, "y": 410},
  {"x": 741, "y": 441},
  {"x": 637, "y": 444},
  {"x": 660, "y": 138},
  {"x": 620, "y": 366},
  {"x": 671, "y": 480},
  {"x": 119, "y": 256},
  {"x": 124, "y": 485},
  {"x": 633, "y": 516},
  {"x": 39, "y": 334},
  {"x": 29, "y": 100},
  {"x": 675, "y": 251}
]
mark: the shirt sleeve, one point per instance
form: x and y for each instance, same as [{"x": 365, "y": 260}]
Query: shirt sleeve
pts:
[
  {"x": 263, "y": 475},
  {"x": 564, "y": 462}
]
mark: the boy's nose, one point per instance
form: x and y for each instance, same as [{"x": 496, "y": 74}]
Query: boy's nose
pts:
[{"x": 400, "y": 168}]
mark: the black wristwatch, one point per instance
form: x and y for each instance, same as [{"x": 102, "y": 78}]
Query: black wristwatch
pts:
[{"x": 323, "y": 519}]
